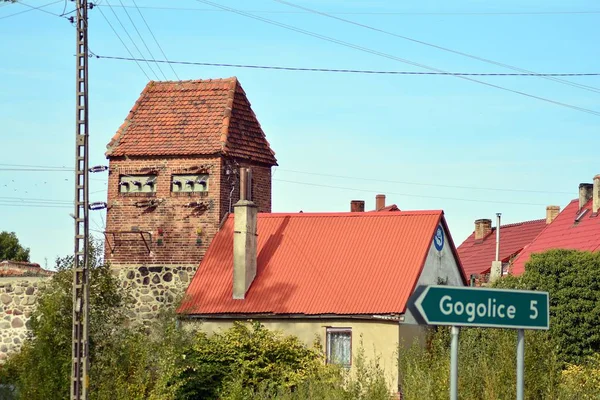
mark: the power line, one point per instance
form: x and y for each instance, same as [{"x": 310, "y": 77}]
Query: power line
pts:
[
  {"x": 391, "y": 57},
  {"x": 328, "y": 15},
  {"x": 423, "y": 184},
  {"x": 409, "y": 195},
  {"x": 393, "y": 181},
  {"x": 130, "y": 38},
  {"x": 352, "y": 71},
  {"x": 474, "y": 13},
  {"x": 32, "y": 8},
  {"x": 143, "y": 41},
  {"x": 155, "y": 40},
  {"x": 122, "y": 42}
]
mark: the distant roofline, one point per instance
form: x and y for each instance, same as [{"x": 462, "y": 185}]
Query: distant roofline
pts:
[{"x": 349, "y": 214}]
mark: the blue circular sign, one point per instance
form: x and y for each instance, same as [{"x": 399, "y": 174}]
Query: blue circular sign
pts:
[{"x": 438, "y": 239}]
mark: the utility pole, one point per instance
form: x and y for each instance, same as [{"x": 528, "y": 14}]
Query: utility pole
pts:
[{"x": 81, "y": 289}]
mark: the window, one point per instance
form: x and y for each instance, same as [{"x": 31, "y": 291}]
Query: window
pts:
[
  {"x": 339, "y": 346},
  {"x": 189, "y": 183},
  {"x": 137, "y": 184}
]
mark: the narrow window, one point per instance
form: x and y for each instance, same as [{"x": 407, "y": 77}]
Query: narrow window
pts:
[
  {"x": 137, "y": 184},
  {"x": 339, "y": 346},
  {"x": 189, "y": 183}
]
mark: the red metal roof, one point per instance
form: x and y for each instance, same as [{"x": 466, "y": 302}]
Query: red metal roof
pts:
[
  {"x": 199, "y": 117},
  {"x": 565, "y": 233},
  {"x": 330, "y": 263},
  {"x": 476, "y": 256}
]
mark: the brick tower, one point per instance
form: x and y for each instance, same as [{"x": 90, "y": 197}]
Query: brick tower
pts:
[{"x": 173, "y": 177}]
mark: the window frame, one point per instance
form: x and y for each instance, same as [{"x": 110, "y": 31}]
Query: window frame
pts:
[{"x": 336, "y": 329}]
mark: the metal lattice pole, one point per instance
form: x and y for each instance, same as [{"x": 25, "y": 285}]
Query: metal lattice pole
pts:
[{"x": 81, "y": 291}]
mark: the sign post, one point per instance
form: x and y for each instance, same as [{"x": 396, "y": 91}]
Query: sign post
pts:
[{"x": 484, "y": 308}]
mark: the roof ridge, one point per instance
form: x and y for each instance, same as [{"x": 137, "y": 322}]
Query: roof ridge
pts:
[
  {"x": 227, "y": 115},
  {"x": 531, "y": 221},
  {"x": 353, "y": 214}
]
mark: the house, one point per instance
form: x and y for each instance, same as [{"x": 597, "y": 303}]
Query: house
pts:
[
  {"x": 478, "y": 251},
  {"x": 359, "y": 205},
  {"x": 577, "y": 227},
  {"x": 173, "y": 176},
  {"x": 343, "y": 278}
]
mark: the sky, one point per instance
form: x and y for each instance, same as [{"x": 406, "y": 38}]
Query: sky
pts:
[{"x": 427, "y": 142}]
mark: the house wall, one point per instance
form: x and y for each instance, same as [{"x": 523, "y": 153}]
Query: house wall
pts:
[
  {"x": 441, "y": 267},
  {"x": 17, "y": 301},
  {"x": 378, "y": 338}
]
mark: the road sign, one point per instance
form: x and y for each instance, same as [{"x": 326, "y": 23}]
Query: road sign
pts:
[{"x": 481, "y": 307}]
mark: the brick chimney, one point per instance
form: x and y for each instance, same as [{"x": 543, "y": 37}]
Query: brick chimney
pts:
[
  {"x": 357, "y": 206},
  {"x": 585, "y": 193},
  {"x": 244, "y": 239},
  {"x": 482, "y": 228},
  {"x": 596, "y": 195},
  {"x": 551, "y": 213},
  {"x": 379, "y": 202}
]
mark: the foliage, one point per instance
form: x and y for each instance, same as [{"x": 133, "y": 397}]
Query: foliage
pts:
[
  {"x": 252, "y": 354},
  {"x": 582, "y": 381},
  {"x": 328, "y": 382},
  {"x": 11, "y": 249},
  {"x": 486, "y": 365},
  {"x": 572, "y": 279},
  {"x": 43, "y": 367}
]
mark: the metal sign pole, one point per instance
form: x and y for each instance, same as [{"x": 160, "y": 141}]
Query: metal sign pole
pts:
[
  {"x": 520, "y": 363},
  {"x": 454, "y": 364}
]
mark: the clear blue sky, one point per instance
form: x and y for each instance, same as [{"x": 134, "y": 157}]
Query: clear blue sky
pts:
[{"x": 438, "y": 131}]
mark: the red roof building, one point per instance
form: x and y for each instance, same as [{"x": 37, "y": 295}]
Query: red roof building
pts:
[
  {"x": 479, "y": 250},
  {"x": 312, "y": 264},
  {"x": 188, "y": 118},
  {"x": 577, "y": 227}
]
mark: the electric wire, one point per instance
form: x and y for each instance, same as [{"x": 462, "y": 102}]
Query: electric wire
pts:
[
  {"x": 514, "y": 190},
  {"x": 122, "y": 42},
  {"x": 130, "y": 38},
  {"x": 352, "y": 71},
  {"x": 409, "y": 195},
  {"x": 423, "y": 184},
  {"x": 32, "y": 8},
  {"x": 142, "y": 39},
  {"x": 155, "y": 40},
  {"x": 475, "y": 13},
  {"x": 392, "y": 57},
  {"x": 474, "y": 57}
]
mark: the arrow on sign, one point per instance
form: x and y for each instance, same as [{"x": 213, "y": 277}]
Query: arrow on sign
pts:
[{"x": 480, "y": 307}]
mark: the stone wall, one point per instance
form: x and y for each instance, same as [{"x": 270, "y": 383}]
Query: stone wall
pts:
[
  {"x": 17, "y": 301},
  {"x": 153, "y": 288}
]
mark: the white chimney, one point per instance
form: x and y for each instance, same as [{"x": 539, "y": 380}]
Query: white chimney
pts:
[
  {"x": 551, "y": 213},
  {"x": 596, "y": 195},
  {"x": 244, "y": 240}
]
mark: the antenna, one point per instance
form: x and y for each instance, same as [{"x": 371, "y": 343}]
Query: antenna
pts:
[{"x": 81, "y": 289}]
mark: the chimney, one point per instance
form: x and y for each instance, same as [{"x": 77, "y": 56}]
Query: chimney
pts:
[
  {"x": 482, "y": 228},
  {"x": 357, "y": 206},
  {"x": 244, "y": 239},
  {"x": 585, "y": 193},
  {"x": 379, "y": 202},
  {"x": 596, "y": 195},
  {"x": 551, "y": 213}
]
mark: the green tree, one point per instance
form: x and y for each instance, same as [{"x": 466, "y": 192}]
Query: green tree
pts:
[
  {"x": 572, "y": 279},
  {"x": 11, "y": 249}
]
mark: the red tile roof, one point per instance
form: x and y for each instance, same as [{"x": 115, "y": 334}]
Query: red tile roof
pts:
[
  {"x": 565, "y": 233},
  {"x": 199, "y": 117},
  {"x": 476, "y": 256},
  {"x": 330, "y": 263}
]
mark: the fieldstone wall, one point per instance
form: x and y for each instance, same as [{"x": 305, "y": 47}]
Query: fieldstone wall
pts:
[
  {"x": 153, "y": 287},
  {"x": 17, "y": 300}
]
